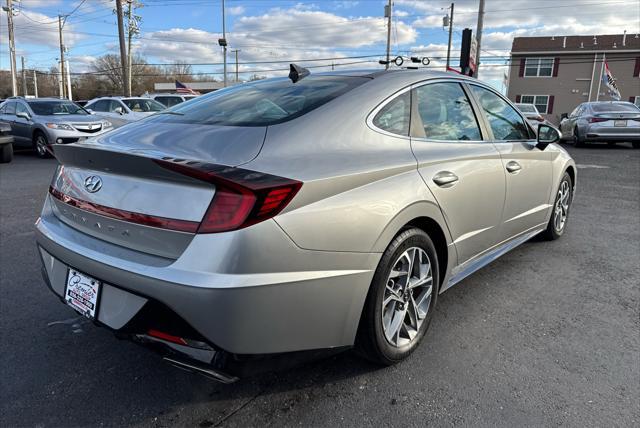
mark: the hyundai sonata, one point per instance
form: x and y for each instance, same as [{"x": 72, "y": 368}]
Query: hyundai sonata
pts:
[{"x": 317, "y": 212}]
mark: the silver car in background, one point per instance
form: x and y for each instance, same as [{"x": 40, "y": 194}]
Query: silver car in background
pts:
[
  {"x": 533, "y": 116},
  {"x": 290, "y": 215},
  {"x": 603, "y": 121},
  {"x": 39, "y": 123},
  {"x": 123, "y": 110}
]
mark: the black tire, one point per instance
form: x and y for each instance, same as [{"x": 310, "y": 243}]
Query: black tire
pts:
[
  {"x": 578, "y": 141},
  {"x": 40, "y": 143},
  {"x": 636, "y": 144},
  {"x": 552, "y": 232},
  {"x": 6, "y": 153},
  {"x": 371, "y": 342}
]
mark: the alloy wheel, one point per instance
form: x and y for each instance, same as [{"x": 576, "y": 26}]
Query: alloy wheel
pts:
[
  {"x": 407, "y": 297},
  {"x": 41, "y": 145},
  {"x": 561, "y": 209}
]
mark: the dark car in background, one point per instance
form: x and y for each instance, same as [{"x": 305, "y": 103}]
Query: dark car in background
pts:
[
  {"x": 603, "y": 121},
  {"x": 6, "y": 143}
]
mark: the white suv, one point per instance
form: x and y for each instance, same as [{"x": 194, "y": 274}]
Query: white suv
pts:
[{"x": 170, "y": 100}]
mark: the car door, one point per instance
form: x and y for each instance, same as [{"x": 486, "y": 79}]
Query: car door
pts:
[
  {"x": 567, "y": 125},
  {"x": 21, "y": 126},
  {"x": 9, "y": 116},
  {"x": 464, "y": 173},
  {"x": 528, "y": 169}
]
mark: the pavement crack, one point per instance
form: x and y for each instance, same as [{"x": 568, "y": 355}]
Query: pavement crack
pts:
[{"x": 240, "y": 407}]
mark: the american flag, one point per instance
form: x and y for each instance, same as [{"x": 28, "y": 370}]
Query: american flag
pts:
[
  {"x": 610, "y": 82},
  {"x": 181, "y": 88}
]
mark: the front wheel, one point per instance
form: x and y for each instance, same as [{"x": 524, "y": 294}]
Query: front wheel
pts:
[
  {"x": 401, "y": 300},
  {"x": 560, "y": 215},
  {"x": 40, "y": 145}
]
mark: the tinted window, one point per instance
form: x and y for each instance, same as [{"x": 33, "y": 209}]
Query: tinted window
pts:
[
  {"x": 10, "y": 107},
  {"x": 50, "y": 108},
  {"x": 394, "y": 117},
  {"x": 446, "y": 113},
  {"x": 262, "y": 103},
  {"x": 143, "y": 105},
  {"x": 100, "y": 105},
  {"x": 169, "y": 101},
  {"x": 603, "y": 108},
  {"x": 21, "y": 108},
  {"x": 506, "y": 123}
]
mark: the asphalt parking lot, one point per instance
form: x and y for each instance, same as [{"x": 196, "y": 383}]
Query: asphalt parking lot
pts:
[{"x": 547, "y": 335}]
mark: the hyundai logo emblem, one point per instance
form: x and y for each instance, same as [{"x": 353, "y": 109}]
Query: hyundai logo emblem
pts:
[{"x": 93, "y": 183}]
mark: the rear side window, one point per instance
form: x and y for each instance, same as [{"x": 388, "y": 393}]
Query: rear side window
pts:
[
  {"x": 446, "y": 113},
  {"x": 10, "y": 107},
  {"x": 394, "y": 117},
  {"x": 617, "y": 107},
  {"x": 505, "y": 122},
  {"x": 169, "y": 101},
  {"x": 262, "y": 103},
  {"x": 101, "y": 105}
]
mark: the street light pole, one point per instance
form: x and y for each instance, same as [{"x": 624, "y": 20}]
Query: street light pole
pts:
[
  {"x": 236, "y": 52},
  {"x": 224, "y": 48}
]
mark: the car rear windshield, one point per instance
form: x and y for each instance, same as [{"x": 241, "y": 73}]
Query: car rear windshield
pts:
[
  {"x": 621, "y": 107},
  {"x": 50, "y": 108},
  {"x": 527, "y": 108},
  {"x": 143, "y": 105},
  {"x": 262, "y": 103}
]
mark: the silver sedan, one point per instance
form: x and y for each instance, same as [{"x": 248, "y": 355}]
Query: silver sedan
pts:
[
  {"x": 603, "y": 121},
  {"x": 287, "y": 215}
]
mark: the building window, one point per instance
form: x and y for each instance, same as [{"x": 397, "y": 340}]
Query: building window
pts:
[
  {"x": 538, "y": 67},
  {"x": 540, "y": 101}
]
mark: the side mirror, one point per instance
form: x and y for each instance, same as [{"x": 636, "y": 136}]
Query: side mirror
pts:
[
  {"x": 23, "y": 115},
  {"x": 119, "y": 110},
  {"x": 547, "y": 135}
]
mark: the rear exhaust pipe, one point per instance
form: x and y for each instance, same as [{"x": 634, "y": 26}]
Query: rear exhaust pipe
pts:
[{"x": 201, "y": 369}]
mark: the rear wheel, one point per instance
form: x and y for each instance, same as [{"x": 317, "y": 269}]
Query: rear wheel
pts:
[
  {"x": 401, "y": 299},
  {"x": 6, "y": 153},
  {"x": 560, "y": 215},
  {"x": 40, "y": 144}
]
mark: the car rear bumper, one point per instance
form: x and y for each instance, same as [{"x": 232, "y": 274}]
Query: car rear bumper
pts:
[
  {"x": 260, "y": 311},
  {"x": 603, "y": 137}
]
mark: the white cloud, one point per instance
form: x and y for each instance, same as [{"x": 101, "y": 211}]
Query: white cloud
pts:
[
  {"x": 37, "y": 29},
  {"x": 236, "y": 10}
]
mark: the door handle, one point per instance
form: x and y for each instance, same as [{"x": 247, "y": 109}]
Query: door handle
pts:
[
  {"x": 445, "y": 179},
  {"x": 513, "y": 167}
]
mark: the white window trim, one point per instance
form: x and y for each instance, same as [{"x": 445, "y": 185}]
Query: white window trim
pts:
[
  {"x": 526, "y": 60},
  {"x": 546, "y": 108},
  {"x": 636, "y": 100}
]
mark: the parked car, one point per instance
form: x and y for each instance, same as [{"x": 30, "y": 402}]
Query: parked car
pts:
[
  {"x": 6, "y": 143},
  {"x": 170, "y": 100},
  {"x": 201, "y": 233},
  {"x": 533, "y": 116},
  {"x": 39, "y": 123},
  {"x": 123, "y": 110},
  {"x": 603, "y": 121}
]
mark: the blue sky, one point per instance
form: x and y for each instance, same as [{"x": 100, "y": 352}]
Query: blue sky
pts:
[{"x": 281, "y": 30}]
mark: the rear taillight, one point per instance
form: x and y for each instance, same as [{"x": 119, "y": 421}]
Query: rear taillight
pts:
[
  {"x": 597, "y": 119},
  {"x": 242, "y": 197}
]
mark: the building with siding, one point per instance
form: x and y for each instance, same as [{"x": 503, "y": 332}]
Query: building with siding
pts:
[{"x": 558, "y": 73}]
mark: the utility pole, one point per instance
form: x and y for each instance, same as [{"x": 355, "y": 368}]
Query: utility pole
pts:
[
  {"x": 24, "y": 79},
  {"x": 387, "y": 14},
  {"x": 479, "y": 35},
  {"x": 60, "y": 24},
  {"x": 236, "y": 52},
  {"x": 12, "y": 47},
  {"x": 123, "y": 50},
  {"x": 35, "y": 84},
  {"x": 450, "y": 31},
  {"x": 130, "y": 36},
  {"x": 69, "y": 95},
  {"x": 224, "y": 47}
]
